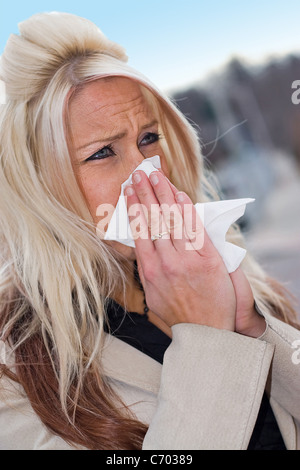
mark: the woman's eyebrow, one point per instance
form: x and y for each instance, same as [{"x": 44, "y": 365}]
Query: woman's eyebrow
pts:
[
  {"x": 100, "y": 141},
  {"x": 150, "y": 124},
  {"x": 115, "y": 137}
]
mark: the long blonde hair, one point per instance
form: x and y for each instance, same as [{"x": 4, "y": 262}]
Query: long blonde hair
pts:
[{"x": 55, "y": 273}]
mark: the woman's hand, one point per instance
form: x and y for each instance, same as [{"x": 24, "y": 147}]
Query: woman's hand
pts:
[
  {"x": 184, "y": 277},
  {"x": 248, "y": 322}
]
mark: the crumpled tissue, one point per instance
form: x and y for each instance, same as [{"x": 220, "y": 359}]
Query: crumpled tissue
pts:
[{"x": 216, "y": 216}]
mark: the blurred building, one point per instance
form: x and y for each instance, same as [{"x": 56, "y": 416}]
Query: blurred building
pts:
[
  {"x": 254, "y": 102},
  {"x": 244, "y": 115}
]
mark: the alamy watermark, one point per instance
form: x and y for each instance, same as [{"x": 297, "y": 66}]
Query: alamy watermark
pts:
[
  {"x": 296, "y": 94},
  {"x": 2, "y": 92},
  {"x": 159, "y": 219},
  {"x": 2, "y": 352},
  {"x": 296, "y": 354}
]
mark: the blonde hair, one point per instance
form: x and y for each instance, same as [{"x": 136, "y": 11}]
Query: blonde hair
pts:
[{"x": 52, "y": 262}]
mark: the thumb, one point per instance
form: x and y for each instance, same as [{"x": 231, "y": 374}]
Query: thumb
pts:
[{"x": 242, "y": 288}]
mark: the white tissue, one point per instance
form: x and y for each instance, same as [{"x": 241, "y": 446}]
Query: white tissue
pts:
[
  {"x": 119, "y": 227},
  {"x": 216, "y": 217}
]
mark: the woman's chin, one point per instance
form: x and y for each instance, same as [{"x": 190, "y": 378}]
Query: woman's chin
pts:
[{"x": 127, "y": 251}]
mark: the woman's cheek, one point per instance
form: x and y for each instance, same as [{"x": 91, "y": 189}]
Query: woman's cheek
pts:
[
  {"x": 99, "y": 191},
  {"x": 164, "y": 165}
]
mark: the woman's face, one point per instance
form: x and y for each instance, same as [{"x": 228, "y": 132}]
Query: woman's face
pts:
[{"x": 113, "y": 129}]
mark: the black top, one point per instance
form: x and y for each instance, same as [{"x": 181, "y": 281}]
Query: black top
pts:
[{"x": 135, "y": 329}]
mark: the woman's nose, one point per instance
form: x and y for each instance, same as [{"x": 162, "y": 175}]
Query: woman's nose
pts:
[{"x": 137, "y": 159}]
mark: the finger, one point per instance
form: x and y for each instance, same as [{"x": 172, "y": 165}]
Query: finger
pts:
[
  {"x": 241, "y": 285},
  {"x": 173, "y": 188},
  {"x": 138, "y": 224},
  {"x": 147, "y": 198},
  {"x": 195, "y": 234},
  {"x": 171, "y": 212}
]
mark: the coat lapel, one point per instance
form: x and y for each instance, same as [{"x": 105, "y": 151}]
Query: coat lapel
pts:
[{"x": 125, "y": 363}]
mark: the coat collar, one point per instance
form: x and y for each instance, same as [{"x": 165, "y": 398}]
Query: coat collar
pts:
[{"x": 127, "y": 364}]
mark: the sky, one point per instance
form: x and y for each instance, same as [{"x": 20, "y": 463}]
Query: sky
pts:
[{"x": 176, "y": 43}]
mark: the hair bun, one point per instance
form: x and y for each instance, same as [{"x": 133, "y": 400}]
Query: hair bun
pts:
[{"x": 46, "y": 42}]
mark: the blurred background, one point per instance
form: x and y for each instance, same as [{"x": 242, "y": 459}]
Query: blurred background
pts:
[{"x": 232, "y": 67}]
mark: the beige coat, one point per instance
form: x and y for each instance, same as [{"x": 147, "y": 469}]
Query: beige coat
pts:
[{"x": 205, "y": 396}]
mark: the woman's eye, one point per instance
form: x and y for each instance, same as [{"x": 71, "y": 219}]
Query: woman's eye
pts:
[
  {"x": 150, "y": 138},
  {"x": 105, "y": 152}
]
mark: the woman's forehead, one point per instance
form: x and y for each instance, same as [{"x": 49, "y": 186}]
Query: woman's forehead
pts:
[
  {"x": 108, "y": 99},
  {"x": 107, "y": 89}
]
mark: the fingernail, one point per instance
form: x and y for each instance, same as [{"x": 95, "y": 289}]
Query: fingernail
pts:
[
  {"x": 136, "y": 178},
  {"x": 179, "y": 197},
  {"x": 129, "y": 191},
  {"x": 154, "y": 178}
]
